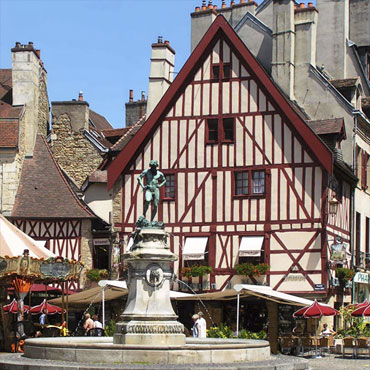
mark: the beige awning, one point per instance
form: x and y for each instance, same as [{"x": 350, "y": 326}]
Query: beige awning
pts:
[
  {"x": 194, "y": 248},
  {"x": 250, "y": 246}
]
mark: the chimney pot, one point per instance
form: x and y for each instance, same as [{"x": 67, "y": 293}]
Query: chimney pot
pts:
[
  {"x": 204, "y": 6},
  {"x": 131, "y": 96},
  {"x": 242, "y": 1},
  {"x": 310, "y": 5},
  {"x": 166, "y": 42},
  {"x": 80, "y": 96},
  {"x": 210, "y": 6},
  {"x": 143, "y": 96},
  {"x": 17, "y": 44},
  {"x": 223, "y": 4},
  {"x": 38, "y": 52},
  {"x": 301, "y": 5},
  {"x": 160, "y": 39},
  {"x": 215, "y": 7},
  {"x": 232, "y": 3},
  {"x": 30, "y": 43},
  {"x": 197, "y": 9}
]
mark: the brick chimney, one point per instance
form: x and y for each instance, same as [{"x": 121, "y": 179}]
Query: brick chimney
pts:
[
  {"x": 161, "y": 72},
  {"x": 333, "y": 31},
  {"x": 282, "y": 66}
]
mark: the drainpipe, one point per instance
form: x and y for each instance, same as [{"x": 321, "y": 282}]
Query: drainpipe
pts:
[
  {"x": 354, "y": 164},
  {"x": 237, "y": 314}
]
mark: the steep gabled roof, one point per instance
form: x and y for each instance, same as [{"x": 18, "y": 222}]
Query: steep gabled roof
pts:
[
  {"x": 43, "y": 191},
  {"x": 220, "y": 27},
  {"x": 329, "y": 126},
  {"x": 99, "y": 121}
]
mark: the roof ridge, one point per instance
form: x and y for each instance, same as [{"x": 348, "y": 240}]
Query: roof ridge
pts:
[
  {"x": 128, "y": 131},
  {"x": 63, "y": 177}
]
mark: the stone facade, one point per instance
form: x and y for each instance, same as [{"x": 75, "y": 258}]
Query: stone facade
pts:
[
  {"x": 117, "y": 203},
  {"x": 86, "y": 249},
  {"x": 74, "y": 153}
]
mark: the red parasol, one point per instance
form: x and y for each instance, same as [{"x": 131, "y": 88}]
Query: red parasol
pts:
[
  {"x": 51, "y": 309},
  {"x": 362, "y": 309},
  {"x": 315, "y": 310},
  {"x": 12, "y": 307}
]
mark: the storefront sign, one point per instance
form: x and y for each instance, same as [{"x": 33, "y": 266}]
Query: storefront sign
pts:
[
  {"x": 338, "y": 251},
  {"x": 362, "y": 277},
  {"x": 101, "y": 241},
  {"x": 320, "y": 287}
]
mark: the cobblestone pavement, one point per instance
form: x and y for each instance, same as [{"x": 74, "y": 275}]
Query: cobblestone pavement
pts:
[{"x": 336, "y": 362}]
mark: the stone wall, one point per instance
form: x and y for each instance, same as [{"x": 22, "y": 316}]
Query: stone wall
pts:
[
  {"x": 86, "y": 249},
  {"x": 71, "y": 149},
  {"x": 117, "y": 203}
]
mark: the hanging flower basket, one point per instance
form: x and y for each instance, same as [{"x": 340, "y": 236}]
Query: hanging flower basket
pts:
[
  {"x": 344, "y": 274},
  {"x": 248, "y": 269},
  {"x": 97, "y": 274},
  {"x": 194, "y": 271}
]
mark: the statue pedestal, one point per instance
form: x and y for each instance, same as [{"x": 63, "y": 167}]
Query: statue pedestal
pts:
[{"x": 148, "y": 317}]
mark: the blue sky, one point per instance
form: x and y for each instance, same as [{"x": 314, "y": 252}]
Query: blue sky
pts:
[{"x": 101, "y": 47}]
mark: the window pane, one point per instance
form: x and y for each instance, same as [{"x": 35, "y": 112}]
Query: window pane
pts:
[
  {"x": 170, "y": 186},
  {"x": 216, "y": 72},
  {"x": 228, "y": 129},
  {"x": 227, "y": 70},
  {"x": 258, "y": 182},
  {"x": 241, "y": 183}
]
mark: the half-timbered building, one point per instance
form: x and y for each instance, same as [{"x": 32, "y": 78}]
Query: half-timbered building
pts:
[{"x": 247, "y": 178}]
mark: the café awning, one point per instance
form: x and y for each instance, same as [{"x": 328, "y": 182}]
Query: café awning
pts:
[
  {"x": 250, "y": 246},
  {"x": 194, "y": 248}
]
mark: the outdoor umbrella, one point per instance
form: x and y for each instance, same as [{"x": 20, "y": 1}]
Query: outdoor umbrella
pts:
[
  {"x": 362, "y": 309},
  {"x": 315, "y": 310},
  {"x": 12, "y": 307},
  {"x": 51, "y": 309}
]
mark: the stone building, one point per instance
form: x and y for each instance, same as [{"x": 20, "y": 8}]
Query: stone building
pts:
[{"x": 24, "y": 112}]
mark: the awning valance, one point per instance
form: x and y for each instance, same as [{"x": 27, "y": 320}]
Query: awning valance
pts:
[
  {"x": 194, "y": 248},
  {"x": 250, "y": 246}
]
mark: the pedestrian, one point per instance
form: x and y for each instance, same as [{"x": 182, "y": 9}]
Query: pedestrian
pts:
[
  {"x": 43, "y": 317},
  {"x": 202, "y": 333},
  {"x": 89, "y": 324},
  {"x": 195, "y": 328},
  {"x": 97, "y": 325}
]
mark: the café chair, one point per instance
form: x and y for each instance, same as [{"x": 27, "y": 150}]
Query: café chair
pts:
[
  {"x": 307, "y": 343},
  {"x": 363, "y": 346},
  {"x": 349, "y": 346},
  {"x": 324, "y": 345}
]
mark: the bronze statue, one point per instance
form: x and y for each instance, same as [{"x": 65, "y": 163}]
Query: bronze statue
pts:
[{"x": 154, "y": 180}]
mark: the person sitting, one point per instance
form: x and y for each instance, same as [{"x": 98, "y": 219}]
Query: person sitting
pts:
[{"x": 326, "y": 331}]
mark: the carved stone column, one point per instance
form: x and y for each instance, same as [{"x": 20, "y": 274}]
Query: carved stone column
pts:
[{"x": 148, "y": 318}]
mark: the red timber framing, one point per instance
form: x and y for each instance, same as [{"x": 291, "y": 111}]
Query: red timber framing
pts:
[{"x": 269, "y": 137}]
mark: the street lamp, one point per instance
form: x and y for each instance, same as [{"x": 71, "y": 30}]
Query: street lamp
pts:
[{"x": 333, "y": 206}]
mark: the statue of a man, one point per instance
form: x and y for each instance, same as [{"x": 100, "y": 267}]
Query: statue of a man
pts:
[{"x": 154, "y": 180}]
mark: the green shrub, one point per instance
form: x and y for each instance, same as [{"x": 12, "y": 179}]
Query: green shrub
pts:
[
  {"x": 110, "y": 328},
  {"x": 246, "y": 334},
  {"x": 222, "y": 331}
]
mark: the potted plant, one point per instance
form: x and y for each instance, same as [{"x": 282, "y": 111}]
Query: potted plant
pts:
[
  {"x": 97, "y": 274},
  {"x": 249, "y": 269},
  {"x": 196, "y": 270}
]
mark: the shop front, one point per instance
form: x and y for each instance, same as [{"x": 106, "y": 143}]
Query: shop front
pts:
[{"x": 361, "y": 287}]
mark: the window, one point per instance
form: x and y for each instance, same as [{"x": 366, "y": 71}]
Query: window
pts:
[
  {"x": 223, "y": 132},
  {"x": 227, "y": 70},
  {"x": 241, "y": 183},
  {"x": 215, "y": 72},
  {"x": 228, "y": 126},
  {"x": 258, "y": 182},
  {"x": 169, "y": 187},
  {"x": 212, "y": 130},
  {"x": 250, "y": 183}
]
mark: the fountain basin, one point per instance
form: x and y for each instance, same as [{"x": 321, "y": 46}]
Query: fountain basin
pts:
[{"x": 101, "y": 350}]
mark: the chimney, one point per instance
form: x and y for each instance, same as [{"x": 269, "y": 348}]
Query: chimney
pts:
[
  {"x": 161, "y": 72},
  {"x": 333, "y": 31},
  {"x": 80, "y": 96},
  {"x": 135, "y": 109},
  {"x": 282, "y": 66},
  {"x": 200, "y": 22},
  {"x": 305, "y": 49}
]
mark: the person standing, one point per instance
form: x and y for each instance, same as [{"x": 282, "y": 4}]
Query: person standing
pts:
[
  {"x": 195, "y": 328},
  {"x": 43, "y": 317},
  {"x": 202, "y": 326},
  {"x": 97, "y": 325},
  {"x": 89, "y": 324}
]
